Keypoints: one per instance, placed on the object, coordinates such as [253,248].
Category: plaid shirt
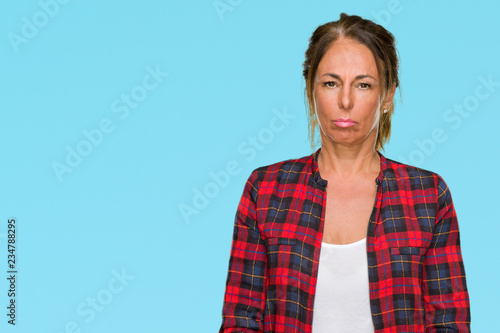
[415,269]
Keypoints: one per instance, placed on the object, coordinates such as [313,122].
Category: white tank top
[342,299]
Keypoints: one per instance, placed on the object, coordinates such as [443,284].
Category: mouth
[344,122]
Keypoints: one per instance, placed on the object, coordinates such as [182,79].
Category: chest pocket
[286,265]
[408,251]
[407,261]
[280,252]
[280,241]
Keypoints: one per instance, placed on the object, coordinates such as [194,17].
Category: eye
[365,85]
[330,84]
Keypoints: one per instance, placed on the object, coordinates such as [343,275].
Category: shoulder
[415,177]
[288,171]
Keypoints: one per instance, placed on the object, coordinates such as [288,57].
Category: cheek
[369,99]
[322,113]
[370,106]
[324,104]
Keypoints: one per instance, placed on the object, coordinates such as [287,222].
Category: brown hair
[382,45]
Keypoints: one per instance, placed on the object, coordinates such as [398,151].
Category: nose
[346,98]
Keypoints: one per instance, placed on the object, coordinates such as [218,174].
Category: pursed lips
[344,122]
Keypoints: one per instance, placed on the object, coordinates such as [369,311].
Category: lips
[344,122]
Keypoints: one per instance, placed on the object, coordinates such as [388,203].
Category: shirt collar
[323,182]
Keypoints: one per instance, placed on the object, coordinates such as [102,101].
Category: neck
[348,162]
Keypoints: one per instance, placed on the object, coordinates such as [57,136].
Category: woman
[346,240]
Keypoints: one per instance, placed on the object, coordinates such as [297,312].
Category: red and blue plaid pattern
[415,268]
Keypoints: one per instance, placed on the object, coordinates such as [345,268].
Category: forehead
[346,56]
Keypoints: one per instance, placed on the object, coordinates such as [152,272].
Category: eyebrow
[335,76]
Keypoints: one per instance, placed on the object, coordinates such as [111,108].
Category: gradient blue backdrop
[224,71]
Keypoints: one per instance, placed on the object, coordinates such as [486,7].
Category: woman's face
[347,94]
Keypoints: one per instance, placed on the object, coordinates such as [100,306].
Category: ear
[389,97]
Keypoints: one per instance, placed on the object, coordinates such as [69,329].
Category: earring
[385,110]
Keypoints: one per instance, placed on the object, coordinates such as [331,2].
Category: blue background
[119,209]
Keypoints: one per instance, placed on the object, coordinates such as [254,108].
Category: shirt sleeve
[244,298]
[446,298]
